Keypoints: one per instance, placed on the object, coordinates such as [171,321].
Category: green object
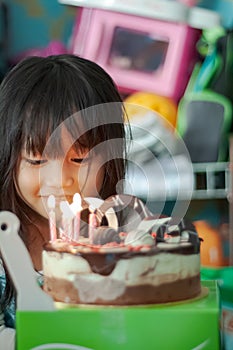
[184,326]
[199,112]
[224,278]
[207,102]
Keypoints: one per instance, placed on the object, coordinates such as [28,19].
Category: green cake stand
[175,326]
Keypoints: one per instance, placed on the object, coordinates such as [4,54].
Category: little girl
[61,132]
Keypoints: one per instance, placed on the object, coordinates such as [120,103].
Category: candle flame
[77,201]
[65,208]
[76,206]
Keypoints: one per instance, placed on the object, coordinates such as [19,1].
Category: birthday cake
[149,260]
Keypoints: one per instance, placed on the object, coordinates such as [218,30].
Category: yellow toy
[164,106]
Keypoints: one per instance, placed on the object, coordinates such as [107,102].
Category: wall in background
[33,24]
[223,7]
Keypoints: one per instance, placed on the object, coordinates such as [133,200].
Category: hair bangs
[46,112]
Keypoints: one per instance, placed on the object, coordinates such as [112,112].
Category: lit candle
[77,208]
[52,218]
[92,223]
[67,220]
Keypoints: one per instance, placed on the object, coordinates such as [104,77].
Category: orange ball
[164,106]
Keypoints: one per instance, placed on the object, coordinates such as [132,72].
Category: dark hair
[39,94]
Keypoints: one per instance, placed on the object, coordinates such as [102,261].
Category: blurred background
[34,24]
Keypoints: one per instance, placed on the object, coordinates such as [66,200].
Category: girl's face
[77,172]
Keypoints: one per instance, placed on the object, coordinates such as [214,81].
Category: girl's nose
[56,174]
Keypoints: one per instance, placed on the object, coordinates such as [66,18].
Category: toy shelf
[211,180]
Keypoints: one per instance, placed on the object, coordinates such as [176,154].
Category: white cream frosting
[139,270]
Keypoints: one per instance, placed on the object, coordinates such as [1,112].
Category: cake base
[64,291]
[203,294]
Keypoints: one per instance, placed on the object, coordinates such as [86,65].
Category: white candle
[52,218]
[92,224]
[77,208]
[67,220]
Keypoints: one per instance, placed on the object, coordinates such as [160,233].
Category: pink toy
[140,53]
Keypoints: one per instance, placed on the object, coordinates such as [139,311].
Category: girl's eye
[36,161]
[78,160]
